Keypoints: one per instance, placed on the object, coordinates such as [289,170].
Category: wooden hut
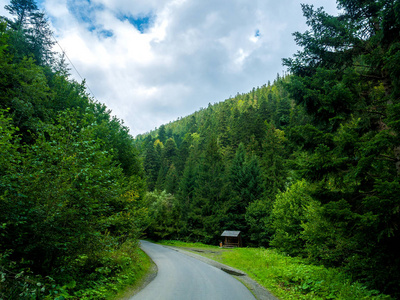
[232,238]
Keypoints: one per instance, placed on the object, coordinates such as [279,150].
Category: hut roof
[229,233]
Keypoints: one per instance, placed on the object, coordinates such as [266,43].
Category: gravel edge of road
[255,288]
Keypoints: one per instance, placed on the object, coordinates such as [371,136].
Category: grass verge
[120,274]
[286,277]
[133,278]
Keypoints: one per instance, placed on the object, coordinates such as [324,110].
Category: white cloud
[191,54]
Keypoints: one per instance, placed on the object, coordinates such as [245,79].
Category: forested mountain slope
[218,160]
[309,164]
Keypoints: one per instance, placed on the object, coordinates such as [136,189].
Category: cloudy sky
[153,61]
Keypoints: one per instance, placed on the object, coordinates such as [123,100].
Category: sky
[154,61]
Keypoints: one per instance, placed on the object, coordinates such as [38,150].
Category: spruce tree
[346,78]
[31,35]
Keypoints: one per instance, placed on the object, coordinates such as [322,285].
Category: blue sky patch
[106,33]
[257,34]
[140,22]
[84,12]
[39,4]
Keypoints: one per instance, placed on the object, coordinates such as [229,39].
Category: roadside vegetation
[284,276]
[118,278]
[130,279]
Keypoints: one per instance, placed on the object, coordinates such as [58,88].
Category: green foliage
[65,197]
[327,240]
[342,79]
[163,212]
[259,224]
[274,169]
[71,180]
[31,34]
[246,187]
[220,160]
[151,165]
[209,196]
[288,214]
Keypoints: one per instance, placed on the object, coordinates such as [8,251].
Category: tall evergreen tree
[246,185]
[23,11]
[346,79]
[162,134]
[31,35]
[274,170]
[187,186]
[151,164]
[209,195]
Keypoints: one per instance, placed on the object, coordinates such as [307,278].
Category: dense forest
[309,164]
[71,180]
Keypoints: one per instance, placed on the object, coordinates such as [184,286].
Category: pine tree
[151,164]
[23,11]
[162,135]
[206,208]
[31,35]
[346,78]
[246,184]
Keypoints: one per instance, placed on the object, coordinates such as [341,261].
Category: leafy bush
[288,214]
[68,206]
[163,215]
[259,222]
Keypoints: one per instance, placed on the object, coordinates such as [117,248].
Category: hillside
[217,160]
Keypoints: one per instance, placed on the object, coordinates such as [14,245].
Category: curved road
[181,277]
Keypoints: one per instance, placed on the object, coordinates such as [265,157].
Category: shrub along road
[181,277]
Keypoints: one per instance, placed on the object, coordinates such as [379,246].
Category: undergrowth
[105,275]
[132,264]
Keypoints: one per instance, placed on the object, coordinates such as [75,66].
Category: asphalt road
[181,277]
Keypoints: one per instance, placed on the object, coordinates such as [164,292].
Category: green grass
[186,244]
[286,277]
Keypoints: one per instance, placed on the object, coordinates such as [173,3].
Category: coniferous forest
[308,164]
